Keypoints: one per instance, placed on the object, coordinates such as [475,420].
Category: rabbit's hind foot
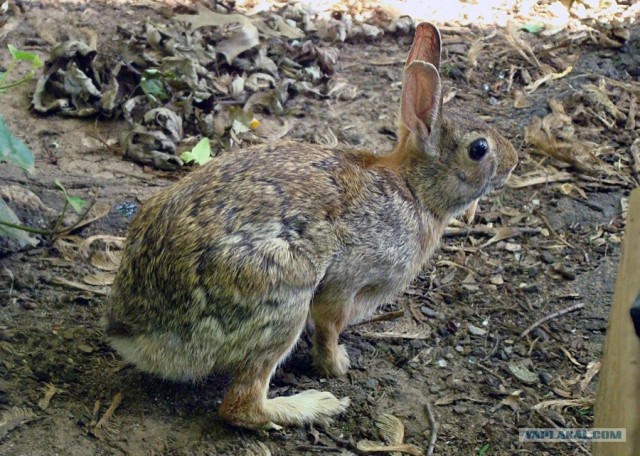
[307,407]
[246,405]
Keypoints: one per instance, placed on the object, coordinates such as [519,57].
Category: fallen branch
[550,317]
[487,231]
[434,429]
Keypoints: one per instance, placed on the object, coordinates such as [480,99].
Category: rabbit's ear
[420,99]
[427,45]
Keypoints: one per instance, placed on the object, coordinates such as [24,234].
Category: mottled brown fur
[222,270]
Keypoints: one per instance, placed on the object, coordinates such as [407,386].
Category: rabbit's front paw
[332,362]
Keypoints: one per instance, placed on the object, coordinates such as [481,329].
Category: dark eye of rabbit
[478,149]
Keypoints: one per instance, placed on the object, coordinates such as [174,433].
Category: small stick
[341,442]
[319,448]
[552,231]
[550,421]
[384,317]
[95,414]
[551,316]
[434,429]
[483,229]
[490,372]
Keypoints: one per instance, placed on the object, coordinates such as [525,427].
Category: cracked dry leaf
[244,38]
[99,279]
[257,449]
[151,148]
[288,30]
[392,432]
[546,78]
[599,97]
[48,395]
[106,260]
[578,154]
[13,418]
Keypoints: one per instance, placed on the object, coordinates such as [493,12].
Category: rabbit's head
[455,158]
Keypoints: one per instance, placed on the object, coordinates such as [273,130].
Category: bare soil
[50,333]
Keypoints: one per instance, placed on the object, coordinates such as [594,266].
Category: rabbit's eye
[478,149]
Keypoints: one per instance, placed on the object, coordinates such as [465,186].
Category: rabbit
[222,270]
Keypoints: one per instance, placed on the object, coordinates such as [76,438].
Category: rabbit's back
[244,222]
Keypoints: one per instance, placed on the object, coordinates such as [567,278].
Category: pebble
[435,388]
[545,378]
[371,384]
[459,348]
[428,311]
[522,373]
[476,331]
[566,273]
[461,409]
[533,288]
[442,363]
[547,257]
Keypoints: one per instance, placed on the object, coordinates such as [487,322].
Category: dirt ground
[453,340]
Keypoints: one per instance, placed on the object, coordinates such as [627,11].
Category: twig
[551,230]
[550,421]
[54,232]
[485,230]
[384,317]
[434,429]
[490,372]
[319,448]
[341,442]
[551,316]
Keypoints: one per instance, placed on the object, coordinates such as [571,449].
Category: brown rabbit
[222,270]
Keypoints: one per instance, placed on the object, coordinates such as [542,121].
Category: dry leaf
[13,418]
[548,77]
[520,101]
[245,38]
[48,395]
[106,260]
[99,279]
[598,96]
[287,30]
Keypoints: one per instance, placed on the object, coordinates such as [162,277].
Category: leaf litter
[207,74]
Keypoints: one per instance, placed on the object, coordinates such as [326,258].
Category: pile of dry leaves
[204,74]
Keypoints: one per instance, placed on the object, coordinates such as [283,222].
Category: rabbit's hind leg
[246,403]
[329,319]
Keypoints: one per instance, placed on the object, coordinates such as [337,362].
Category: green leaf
[533,28]
[8,216]
[14,151]
[26,56]
[484,449]
[201,153]
[75,202]
[153,86]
